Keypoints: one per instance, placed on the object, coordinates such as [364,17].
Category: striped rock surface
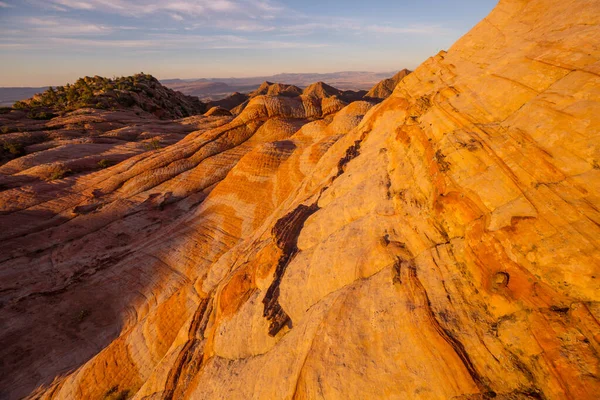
[442,244]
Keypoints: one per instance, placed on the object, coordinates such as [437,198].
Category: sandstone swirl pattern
[442,244]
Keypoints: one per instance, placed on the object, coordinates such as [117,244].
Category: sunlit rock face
[386,87]
[441,244]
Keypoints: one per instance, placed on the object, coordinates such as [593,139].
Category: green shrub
[40,115]
[92,92]
[153,144]
[20,105]
[15,149]
[104,163]
[58,173]
[114,394]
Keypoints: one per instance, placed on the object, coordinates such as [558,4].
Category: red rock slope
[445,245]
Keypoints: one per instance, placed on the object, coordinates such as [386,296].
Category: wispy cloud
[158,42]
[411,29]
[188,24]
[5,5]
[79,5]
[62,26]
[186,8]
[234,24]
[248,16]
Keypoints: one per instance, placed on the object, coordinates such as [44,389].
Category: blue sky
[51,42]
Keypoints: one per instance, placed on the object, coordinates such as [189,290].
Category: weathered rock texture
[318,91]
[442,244]
[386,87]
[85,140]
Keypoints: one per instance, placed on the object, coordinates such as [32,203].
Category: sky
[52,42]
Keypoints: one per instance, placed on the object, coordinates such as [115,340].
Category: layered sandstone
[386,87]
[442,244]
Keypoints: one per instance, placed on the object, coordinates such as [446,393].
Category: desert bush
[20,105]
[114,394]
[104,163]
[14,149]
[153,144]
[58,173]
[93,91]
[40,115]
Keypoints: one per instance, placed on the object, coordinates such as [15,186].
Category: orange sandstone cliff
[443,244]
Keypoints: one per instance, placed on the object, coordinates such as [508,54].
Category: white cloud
[163,42]
[5,5]
[232,24]
[63,26]
[199,23]
[250,16]
[189,8]
[80,5]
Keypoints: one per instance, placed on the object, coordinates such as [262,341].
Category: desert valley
[436,236]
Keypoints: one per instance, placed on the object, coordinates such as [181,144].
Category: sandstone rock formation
[217,111]
[276,89]
[219,88]
[85,140]
[322,90]
[386,87]
[443,244]
[237,102]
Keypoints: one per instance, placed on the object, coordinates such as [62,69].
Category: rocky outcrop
[327,96]
[141,92]
[276,89]
[217,111]
[386,87]
[85,140]
[322,90]
[230,102]
[439,245]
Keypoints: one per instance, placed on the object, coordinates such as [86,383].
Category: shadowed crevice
[285,233]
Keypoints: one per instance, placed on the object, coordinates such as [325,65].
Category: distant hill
[208,89]
[10,95]
[237,102]
[219,88]
[141,91]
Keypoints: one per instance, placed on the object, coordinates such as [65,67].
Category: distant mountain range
[10,95]
[219,88]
